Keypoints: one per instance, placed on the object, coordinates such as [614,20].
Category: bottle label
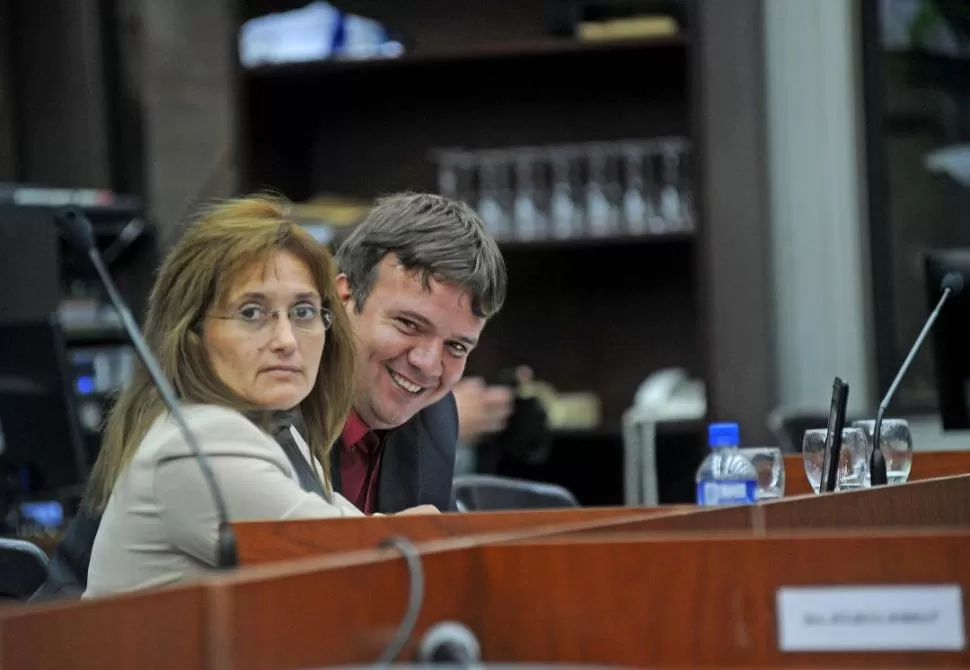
[726,492]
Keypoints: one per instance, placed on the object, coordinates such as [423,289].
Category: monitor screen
[38,416]
[951,337]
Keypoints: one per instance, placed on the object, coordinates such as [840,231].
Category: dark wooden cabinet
[598,314]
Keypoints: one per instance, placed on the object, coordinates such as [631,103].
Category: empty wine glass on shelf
[493,194]
[456,173]
[600,212]
[466,168]
[685,185]
[851,452]
[447,160]
[528,217]
[565,213]
[671,202]
[653,193]
[599,189]
[634,201]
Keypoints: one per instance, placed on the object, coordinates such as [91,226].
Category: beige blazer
[160,524]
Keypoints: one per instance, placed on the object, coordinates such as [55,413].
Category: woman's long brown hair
[197,276]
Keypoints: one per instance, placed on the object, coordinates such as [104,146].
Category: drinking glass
[447,172]
[770,465]
[529,220]
[493,193]
[853,464]
[600,211]
[565,212]
[634,203]
[896,442]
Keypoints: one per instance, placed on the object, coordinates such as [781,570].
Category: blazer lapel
[287,438]
[399,486]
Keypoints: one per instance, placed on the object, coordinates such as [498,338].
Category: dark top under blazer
[417,468]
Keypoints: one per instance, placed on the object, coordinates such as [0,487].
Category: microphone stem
[877,463]
[226,555]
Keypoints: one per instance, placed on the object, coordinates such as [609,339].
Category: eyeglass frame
[325,314]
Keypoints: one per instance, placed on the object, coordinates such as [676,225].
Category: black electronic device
[42,453]
[833,436]
[47,274]
[951,355]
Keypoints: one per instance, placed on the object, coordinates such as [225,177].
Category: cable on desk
[415,598]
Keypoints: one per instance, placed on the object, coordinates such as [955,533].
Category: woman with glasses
[242,319]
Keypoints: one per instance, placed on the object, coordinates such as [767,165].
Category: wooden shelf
[334,235]
[497,52]
[588,242]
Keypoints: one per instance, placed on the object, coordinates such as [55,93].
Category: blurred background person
[497,420]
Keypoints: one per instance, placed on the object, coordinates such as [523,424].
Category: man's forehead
[415,285]
[443,305]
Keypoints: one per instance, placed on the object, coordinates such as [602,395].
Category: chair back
[491,492]
[23,569]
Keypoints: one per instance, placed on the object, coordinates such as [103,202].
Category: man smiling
[419,279]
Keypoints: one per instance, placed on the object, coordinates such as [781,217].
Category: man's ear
[343,289]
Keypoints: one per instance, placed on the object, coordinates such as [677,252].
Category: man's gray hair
[441,238]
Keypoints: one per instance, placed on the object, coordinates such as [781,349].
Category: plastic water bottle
[726,477]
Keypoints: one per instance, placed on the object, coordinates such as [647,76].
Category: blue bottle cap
[723,434]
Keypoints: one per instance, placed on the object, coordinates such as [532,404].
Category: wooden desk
[926,465]
[110,633]
[624,599]
[680,588]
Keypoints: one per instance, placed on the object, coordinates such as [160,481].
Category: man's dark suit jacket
[417,468]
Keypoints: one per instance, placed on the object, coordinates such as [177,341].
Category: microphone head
[952,281]
[75,228]
[452,638]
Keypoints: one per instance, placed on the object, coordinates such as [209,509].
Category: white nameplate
[871,618]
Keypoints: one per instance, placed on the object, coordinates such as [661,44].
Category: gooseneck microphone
[449,642]
[951,285]
[76,229]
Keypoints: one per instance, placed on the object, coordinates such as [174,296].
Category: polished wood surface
[696,602]
[162,629]
[685,587]
[667,601]
[262,542]
[934,503]
[942,502]
[656,599]
[926,465]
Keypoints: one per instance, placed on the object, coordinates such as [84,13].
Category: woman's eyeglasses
[306,318]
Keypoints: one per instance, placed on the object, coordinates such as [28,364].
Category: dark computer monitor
[40,433]
[951,337]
